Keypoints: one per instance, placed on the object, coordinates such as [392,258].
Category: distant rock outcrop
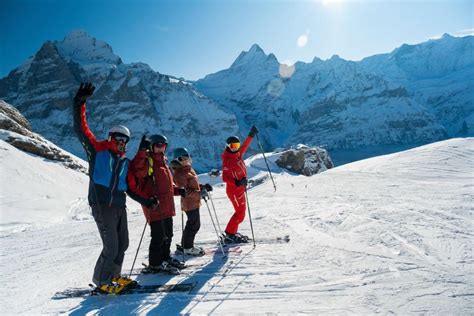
[15,130]
[305,160]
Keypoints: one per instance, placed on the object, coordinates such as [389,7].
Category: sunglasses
[234,146]
[123,139]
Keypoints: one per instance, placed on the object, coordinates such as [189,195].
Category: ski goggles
[234,146]
[121,138]
[184,158]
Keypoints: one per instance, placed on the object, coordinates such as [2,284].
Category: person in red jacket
[155,179]
[109,180]
[234,174]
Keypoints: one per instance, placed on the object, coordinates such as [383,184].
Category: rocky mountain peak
[255,55]
[82,48]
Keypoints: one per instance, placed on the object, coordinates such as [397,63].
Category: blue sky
[193,38]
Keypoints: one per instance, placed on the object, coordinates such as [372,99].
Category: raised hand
[85,91]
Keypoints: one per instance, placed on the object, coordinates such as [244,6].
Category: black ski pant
[160,244]
[193,224]
[112,224]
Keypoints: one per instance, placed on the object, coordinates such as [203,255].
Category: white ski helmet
[119,129]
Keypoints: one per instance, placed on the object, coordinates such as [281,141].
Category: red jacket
[233,166]
[155,180]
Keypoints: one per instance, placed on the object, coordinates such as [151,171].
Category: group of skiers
[148,179]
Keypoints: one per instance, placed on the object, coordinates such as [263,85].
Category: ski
[140,289]
[273,240]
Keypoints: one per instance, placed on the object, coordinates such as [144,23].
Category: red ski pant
[237,197]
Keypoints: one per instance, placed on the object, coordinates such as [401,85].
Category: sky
[191,39]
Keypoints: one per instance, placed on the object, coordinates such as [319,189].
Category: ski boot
[112,288]
[236,238]
[194,251]
[175,263]
[128,283]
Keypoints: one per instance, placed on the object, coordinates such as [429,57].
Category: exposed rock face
[305,160]
[15,130]
[127,94]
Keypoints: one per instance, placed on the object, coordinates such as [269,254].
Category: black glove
[85,91]
[152,202]
[144,143]
[253,131]
[208,187]
[242,182]
[204,194]
[182,192]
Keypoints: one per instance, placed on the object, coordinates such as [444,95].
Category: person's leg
[156,254]
[192,227]
[106,219]
[238,201]
[122,240]
[168,223]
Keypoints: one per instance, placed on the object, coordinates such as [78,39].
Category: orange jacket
[186,177]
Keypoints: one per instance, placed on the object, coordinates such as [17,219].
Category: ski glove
[85,91]
[152,202]
[253,131]
[144,143]
[204,194]
[242,182]
[208,187]
[182,192]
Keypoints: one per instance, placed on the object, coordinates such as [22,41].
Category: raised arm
[248,140]
[86,137]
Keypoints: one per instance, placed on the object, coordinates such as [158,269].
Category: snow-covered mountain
[343,104]
[438,74]
[416,94]
[390,235]
[130,94]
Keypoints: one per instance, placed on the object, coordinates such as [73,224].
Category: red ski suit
[233,168]
[155,180]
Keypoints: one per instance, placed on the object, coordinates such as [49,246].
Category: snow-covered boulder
[305,160]
[15,130]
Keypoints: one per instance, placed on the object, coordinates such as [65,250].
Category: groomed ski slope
[391,234]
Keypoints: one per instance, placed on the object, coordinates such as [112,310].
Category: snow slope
[391,234]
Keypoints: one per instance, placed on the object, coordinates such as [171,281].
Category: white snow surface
[391,234]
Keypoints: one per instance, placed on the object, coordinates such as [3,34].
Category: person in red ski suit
[155,179]
[234,174]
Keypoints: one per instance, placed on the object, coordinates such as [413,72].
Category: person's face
[234,147]
[185,160]
[121,142]
[159,148]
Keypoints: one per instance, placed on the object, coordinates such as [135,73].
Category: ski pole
[215,214]
[265,158]
[182,231]
[215,229]
[250,216]
[136,254]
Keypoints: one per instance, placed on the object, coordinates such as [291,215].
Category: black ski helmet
[232,139]
[158,139]
[180,152]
